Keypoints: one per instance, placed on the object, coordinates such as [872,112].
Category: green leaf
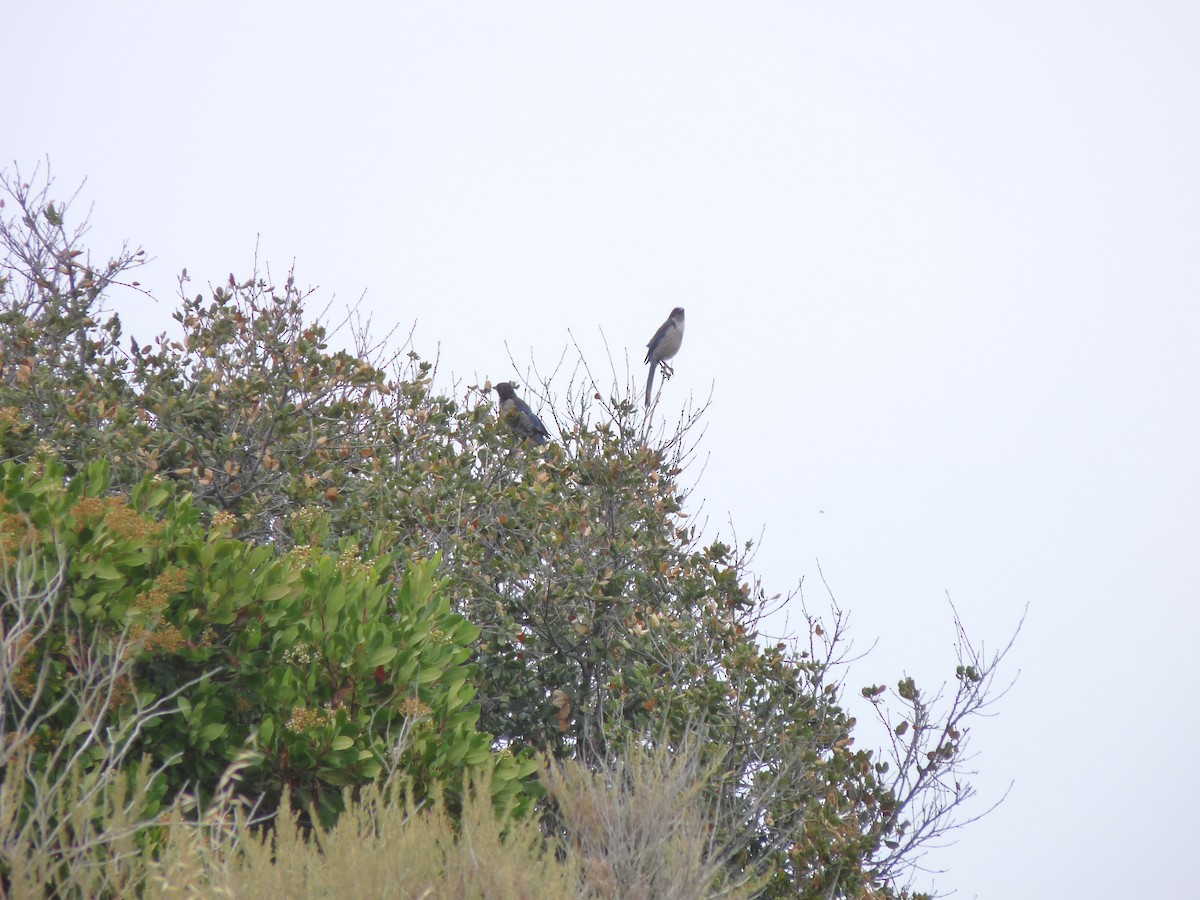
[381,657]
[277,592]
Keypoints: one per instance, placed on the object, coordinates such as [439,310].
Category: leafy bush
[330,671]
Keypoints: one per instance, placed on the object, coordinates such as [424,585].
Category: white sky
[940,266]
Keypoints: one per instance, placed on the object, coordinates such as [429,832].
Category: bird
[663,346]
[520,417]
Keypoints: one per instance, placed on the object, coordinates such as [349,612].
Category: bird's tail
[650,379]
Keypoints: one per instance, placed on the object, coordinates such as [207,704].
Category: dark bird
[520,417]
[663,346]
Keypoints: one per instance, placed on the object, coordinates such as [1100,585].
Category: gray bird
[663,346]
[521,419]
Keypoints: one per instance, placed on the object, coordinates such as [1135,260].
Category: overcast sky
[940,265]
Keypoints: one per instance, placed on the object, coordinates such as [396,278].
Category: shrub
[136,631]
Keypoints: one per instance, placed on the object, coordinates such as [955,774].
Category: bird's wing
[528,420]
[658,337]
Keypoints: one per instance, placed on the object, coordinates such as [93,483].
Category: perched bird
[663,346]
[520,417]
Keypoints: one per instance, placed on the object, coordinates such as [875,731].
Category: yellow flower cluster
[120,519]
[350,563]
[154,636]
[172,581]
[303,718]
[10,417]
[17,535]
[24,678]
[223,520]
[413,708]
[165,638]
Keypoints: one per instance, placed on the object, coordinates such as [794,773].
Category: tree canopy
[305,557]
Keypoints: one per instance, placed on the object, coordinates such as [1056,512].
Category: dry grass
[84,841]
[641,829]
[637,830]
[383,846]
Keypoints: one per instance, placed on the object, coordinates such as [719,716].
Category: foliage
[63,381]
[594,611]
[329,671]
[72,807]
